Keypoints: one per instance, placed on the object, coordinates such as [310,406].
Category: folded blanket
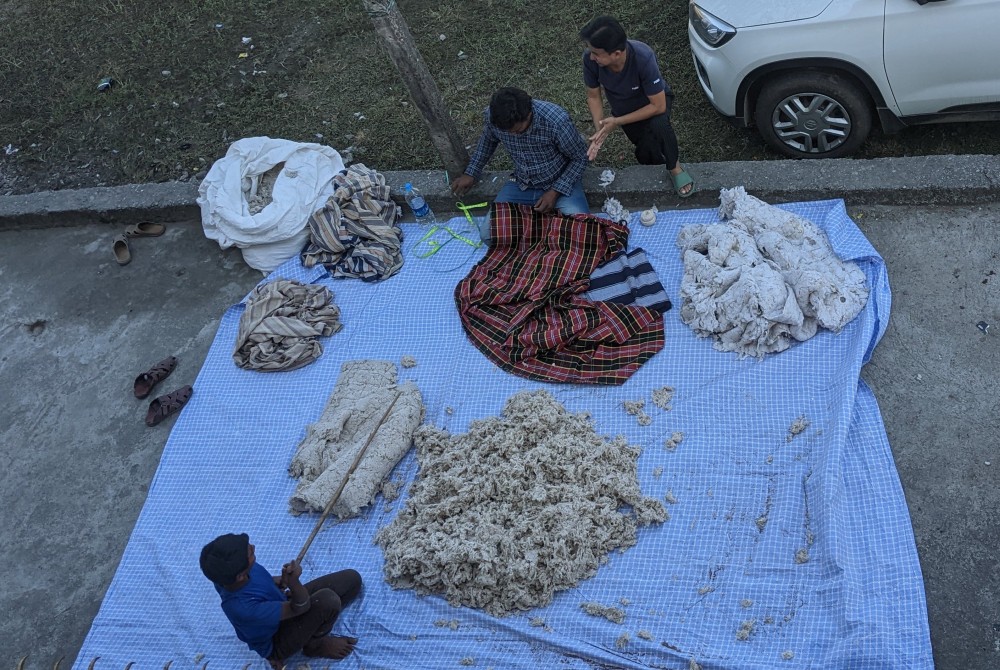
[629,279]
[524,308]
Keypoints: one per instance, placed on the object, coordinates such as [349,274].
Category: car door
[943,55]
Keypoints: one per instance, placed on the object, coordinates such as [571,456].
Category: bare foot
[330,647]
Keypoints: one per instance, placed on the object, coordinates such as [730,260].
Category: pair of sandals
[165,405]
[120,248]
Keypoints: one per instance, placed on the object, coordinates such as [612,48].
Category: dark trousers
[327,597]
[654,140]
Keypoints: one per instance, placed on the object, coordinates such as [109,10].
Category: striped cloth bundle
[629,279]
[281,323]
[355,234]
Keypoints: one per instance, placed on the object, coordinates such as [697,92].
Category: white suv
[812,74]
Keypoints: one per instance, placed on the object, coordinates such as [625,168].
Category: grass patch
[182,92]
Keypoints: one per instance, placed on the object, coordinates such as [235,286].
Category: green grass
[315,68]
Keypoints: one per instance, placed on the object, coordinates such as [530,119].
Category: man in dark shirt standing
[547,150]
[640,100]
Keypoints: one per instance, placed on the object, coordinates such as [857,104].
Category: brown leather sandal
[119,247]
[145,229]
[168,404]
[145,382]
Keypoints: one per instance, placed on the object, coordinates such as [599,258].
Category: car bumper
[734,120]
[720,86]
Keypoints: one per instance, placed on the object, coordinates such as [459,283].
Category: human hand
[593,148]
[291,571]
[461,185]
[604,128]
[547,202]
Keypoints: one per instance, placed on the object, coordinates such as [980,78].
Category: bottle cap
[407,186]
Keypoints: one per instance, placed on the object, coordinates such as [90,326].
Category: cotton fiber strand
[363,393]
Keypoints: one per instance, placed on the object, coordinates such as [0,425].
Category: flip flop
[119,247]
[168,404]
[682,179]
[145,229]
[145,382]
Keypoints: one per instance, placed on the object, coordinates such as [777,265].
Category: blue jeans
[574,203]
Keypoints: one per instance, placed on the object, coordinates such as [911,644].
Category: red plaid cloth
[523,304]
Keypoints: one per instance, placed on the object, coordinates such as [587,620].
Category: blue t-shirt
[254,610]
[629,89]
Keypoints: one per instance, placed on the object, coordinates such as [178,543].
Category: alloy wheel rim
[811,123]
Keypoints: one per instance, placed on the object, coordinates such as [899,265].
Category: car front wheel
[813,115]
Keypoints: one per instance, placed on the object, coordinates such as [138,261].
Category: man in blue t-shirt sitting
[278,616]
[639,98]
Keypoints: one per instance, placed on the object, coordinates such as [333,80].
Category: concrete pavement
[76,459]
[919,180]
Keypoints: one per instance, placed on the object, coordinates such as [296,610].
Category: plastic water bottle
[421,210]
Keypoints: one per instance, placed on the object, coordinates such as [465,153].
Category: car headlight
[712,30]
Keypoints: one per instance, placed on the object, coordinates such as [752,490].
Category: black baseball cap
[225,557]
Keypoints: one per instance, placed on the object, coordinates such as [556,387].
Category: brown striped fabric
[524,306]
[355,234]
[281,323]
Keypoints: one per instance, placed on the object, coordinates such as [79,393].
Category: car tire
[813,115]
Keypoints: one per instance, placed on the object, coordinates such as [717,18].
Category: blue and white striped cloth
[691,584]
[629,279]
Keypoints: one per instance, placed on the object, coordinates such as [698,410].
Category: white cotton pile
[764,278]
[519,507]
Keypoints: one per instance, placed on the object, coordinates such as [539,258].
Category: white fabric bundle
[277,232]
[764,278]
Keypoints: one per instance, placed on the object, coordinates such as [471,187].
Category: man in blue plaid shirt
[547,150]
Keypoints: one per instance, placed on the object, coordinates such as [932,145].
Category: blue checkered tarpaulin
[690,584]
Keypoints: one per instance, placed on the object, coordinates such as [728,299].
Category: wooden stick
[340,489]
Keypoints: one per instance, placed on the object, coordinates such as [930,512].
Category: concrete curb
[923,180]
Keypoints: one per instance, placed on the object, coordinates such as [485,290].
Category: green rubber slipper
[682,179]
